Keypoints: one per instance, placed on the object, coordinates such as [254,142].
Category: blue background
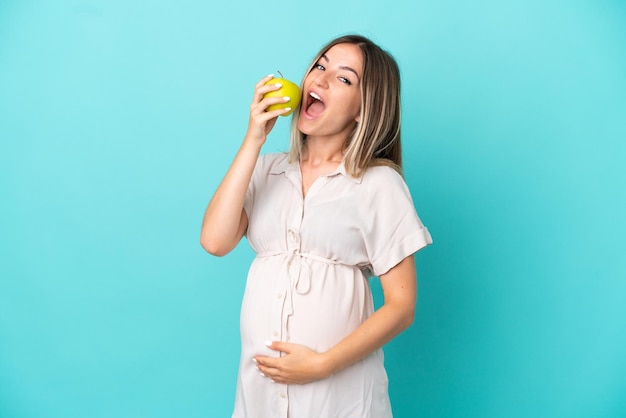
[119,118]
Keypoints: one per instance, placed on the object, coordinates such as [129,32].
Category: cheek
[356,105]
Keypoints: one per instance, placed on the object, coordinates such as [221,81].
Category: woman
[322,219]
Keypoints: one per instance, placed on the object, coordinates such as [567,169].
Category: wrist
[328,364]
[252,144]
[255,137]
[254,140]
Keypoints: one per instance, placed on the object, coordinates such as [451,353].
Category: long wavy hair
[376,137]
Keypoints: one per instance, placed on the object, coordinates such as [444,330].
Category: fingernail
[270,75]
[287,109]
[286,98]
[254,360]
[278,85]
[268,342]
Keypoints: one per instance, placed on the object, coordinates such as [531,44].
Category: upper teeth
[315,96]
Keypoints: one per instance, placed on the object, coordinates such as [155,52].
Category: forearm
[223,223]
[380,328]
[300,364]
[396,314]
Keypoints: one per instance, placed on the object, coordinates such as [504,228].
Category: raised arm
[225,220]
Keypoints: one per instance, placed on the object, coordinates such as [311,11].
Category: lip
[307,100]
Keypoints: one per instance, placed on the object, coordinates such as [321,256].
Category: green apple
[288,89]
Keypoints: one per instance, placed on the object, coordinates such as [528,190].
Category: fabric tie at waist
[296,262]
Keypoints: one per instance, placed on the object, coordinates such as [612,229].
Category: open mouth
[314,105]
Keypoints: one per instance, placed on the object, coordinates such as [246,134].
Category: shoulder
[272,158]
[385,185]
[382,175]
[271,162]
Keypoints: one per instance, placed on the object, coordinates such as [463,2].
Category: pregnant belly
[334,301]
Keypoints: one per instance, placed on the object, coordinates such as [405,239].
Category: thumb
[270,124]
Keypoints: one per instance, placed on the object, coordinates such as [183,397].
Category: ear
[357,118]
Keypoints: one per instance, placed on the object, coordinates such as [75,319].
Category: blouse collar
[284,166]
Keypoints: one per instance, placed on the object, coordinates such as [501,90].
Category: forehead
[346,55]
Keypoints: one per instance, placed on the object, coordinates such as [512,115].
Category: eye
[320,67]
[345,81]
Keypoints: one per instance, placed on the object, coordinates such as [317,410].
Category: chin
[304,125]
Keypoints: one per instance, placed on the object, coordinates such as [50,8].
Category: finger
[264,80]
[281,346]
[260,367]
[268,101]
[266,362]
[270,378]
[270,124]
[267,370]
[267,118]
[270,372]
[270,344]
[261,106]
[263,87]
[263,90]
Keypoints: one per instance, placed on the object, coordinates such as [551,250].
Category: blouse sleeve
[248,202]
[394,230]
[258,181]
[257,174]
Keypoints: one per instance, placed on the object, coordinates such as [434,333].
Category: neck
[319,151]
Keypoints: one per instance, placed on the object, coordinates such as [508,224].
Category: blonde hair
[376,137]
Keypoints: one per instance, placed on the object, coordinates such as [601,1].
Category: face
[331,99]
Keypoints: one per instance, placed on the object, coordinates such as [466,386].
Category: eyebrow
[343,67]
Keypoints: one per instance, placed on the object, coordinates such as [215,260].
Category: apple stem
[281,74]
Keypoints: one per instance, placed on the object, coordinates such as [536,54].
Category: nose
[321,80]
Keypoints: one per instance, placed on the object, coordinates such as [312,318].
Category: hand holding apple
[288,89]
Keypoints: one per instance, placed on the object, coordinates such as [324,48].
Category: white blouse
[309,281]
